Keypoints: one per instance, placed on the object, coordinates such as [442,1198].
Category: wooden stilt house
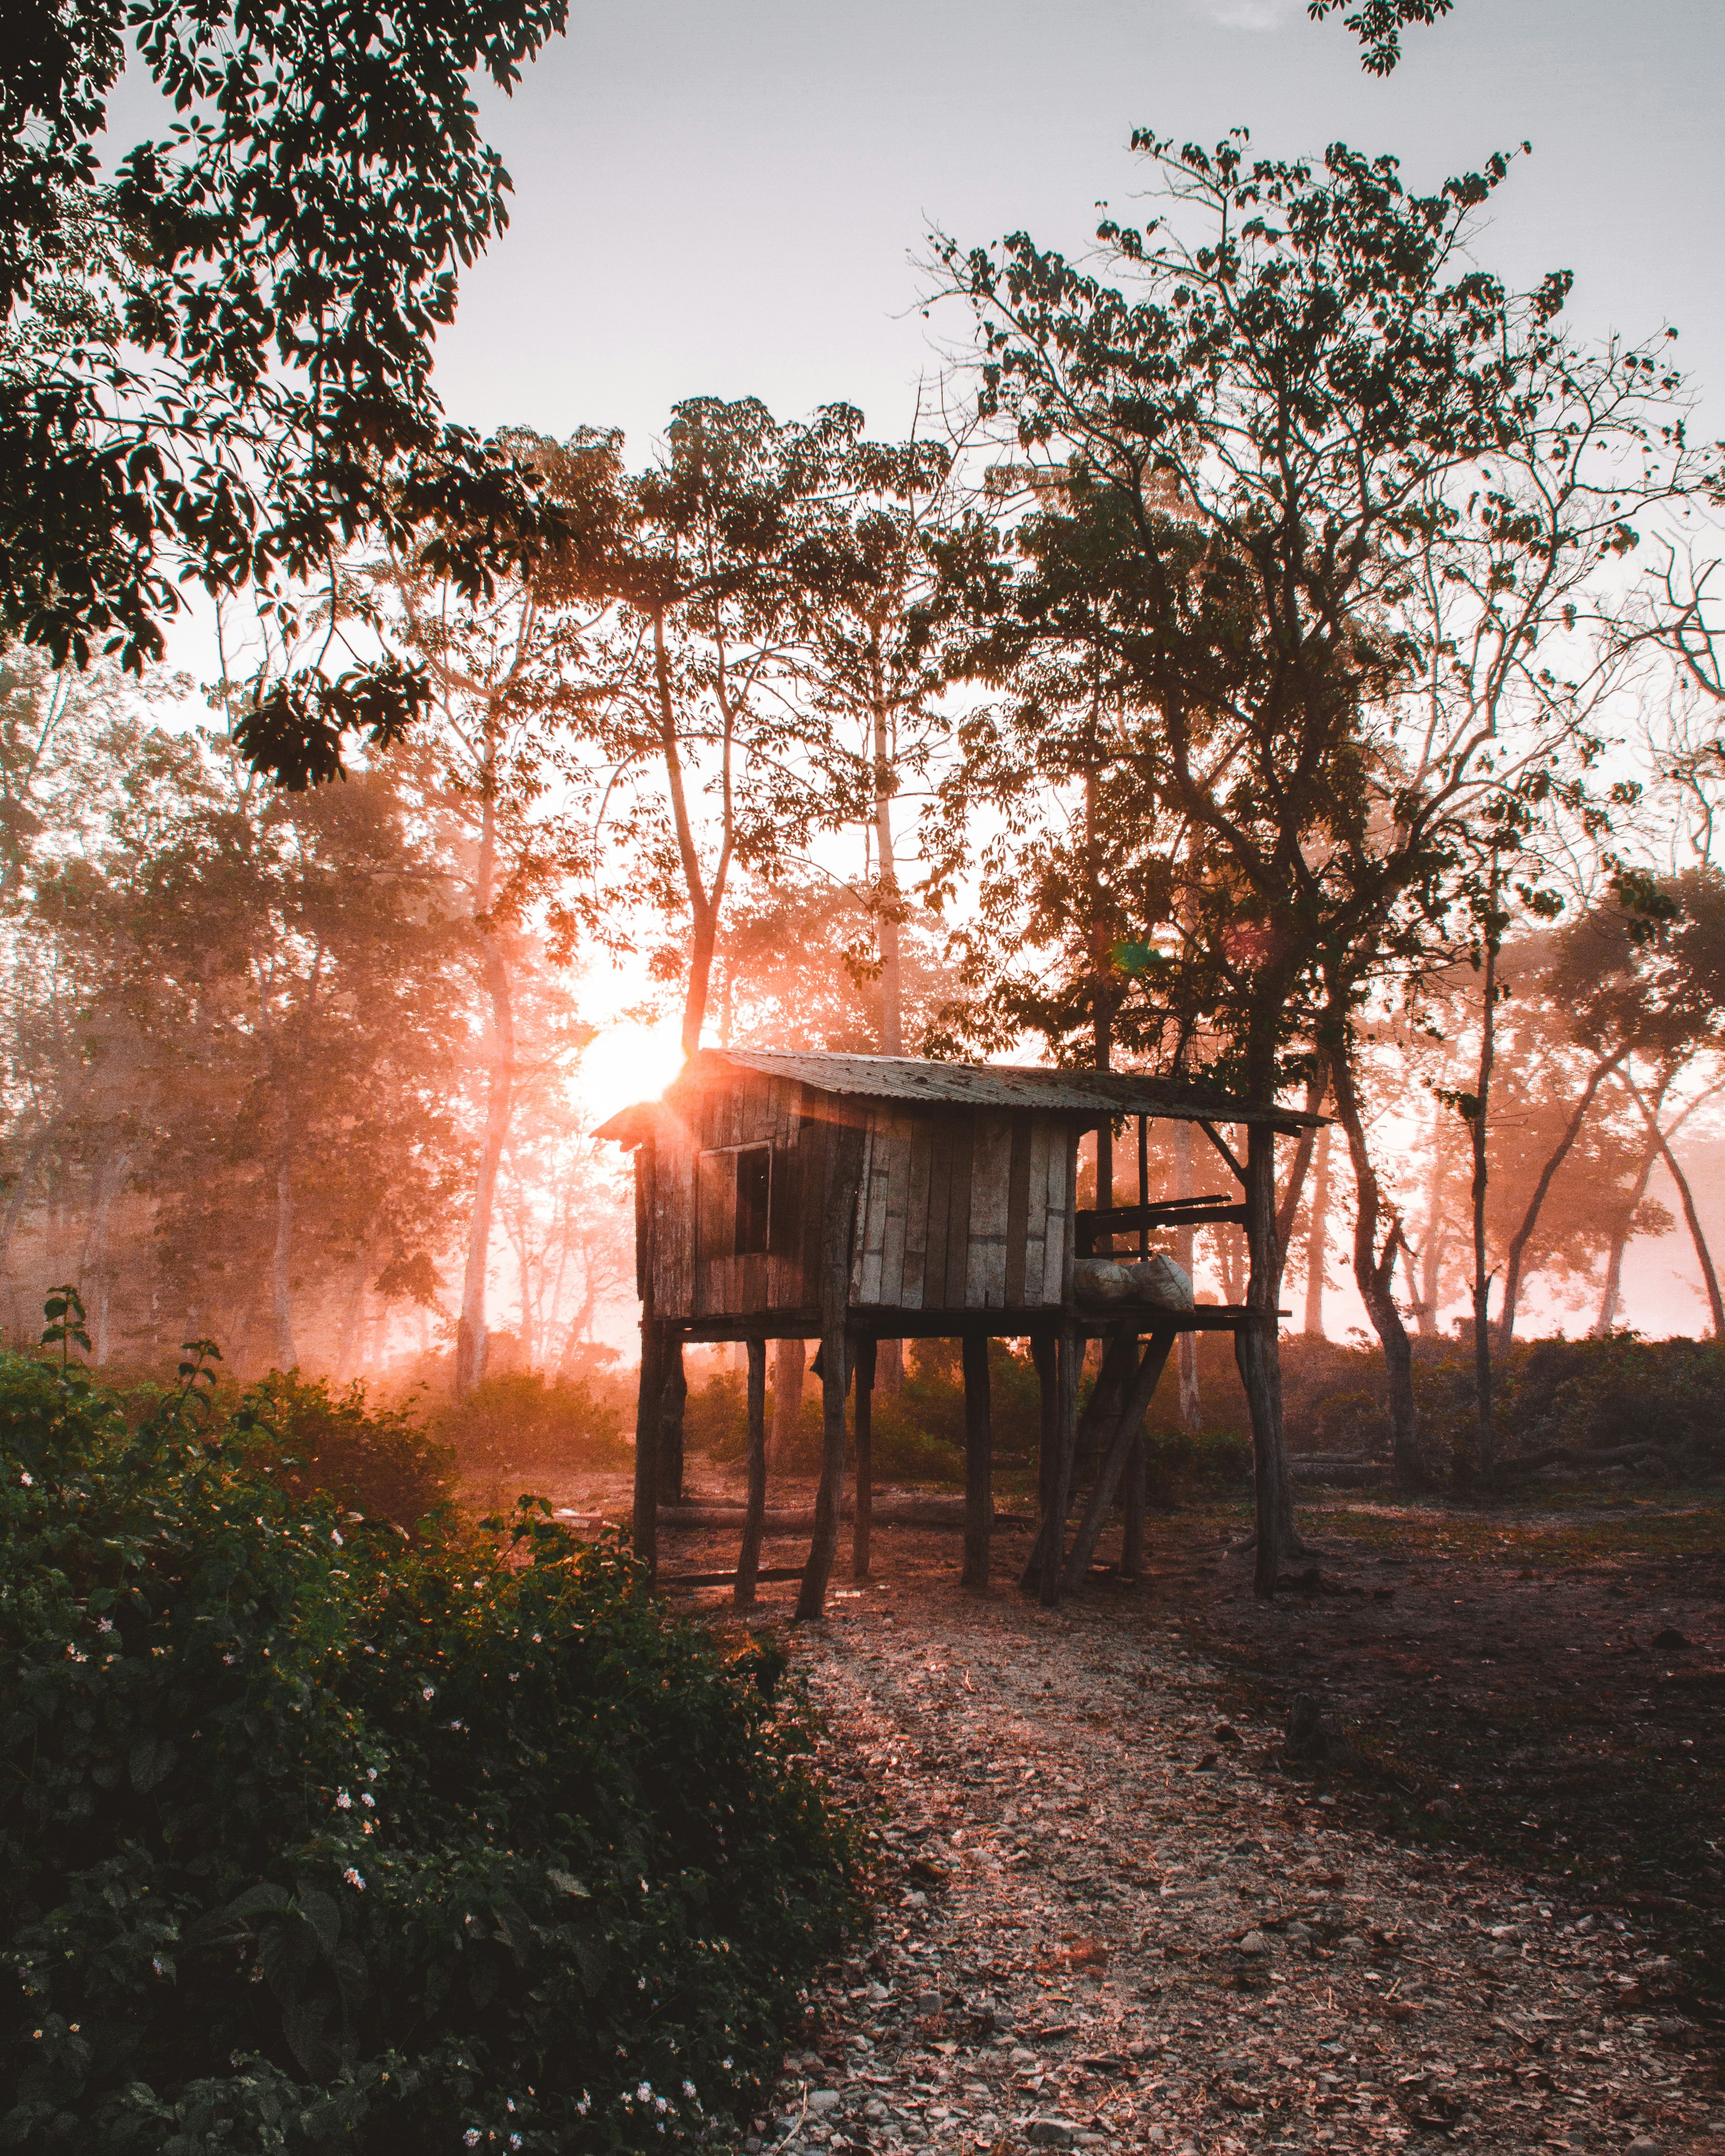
[854,1198]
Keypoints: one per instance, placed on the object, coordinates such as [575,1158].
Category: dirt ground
[1112,1915]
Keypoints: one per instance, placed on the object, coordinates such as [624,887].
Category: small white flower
[726,2064]
[536,1640]
[228,1659]
[515,2141]
[585,2104]
[156,1963]
[471,2136]
[336,1536]
[353,1879]
[344,1803]
[688,2088]
[660,2103]
[29,1483]
[369,1801]
[644,2094]
[104,1623]
[73,1655]
[426,1692]
[370,1774]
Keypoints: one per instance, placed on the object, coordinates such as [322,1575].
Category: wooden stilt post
[1042,1356]
[647,1412]
[978,1462]
[862,1517]
[1120,1361]
[1257,1355]
[838,1232]
[674,1398]
[1068,1359]
[1114,1458]
[749,1563]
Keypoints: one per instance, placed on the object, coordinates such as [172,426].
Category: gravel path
[1108,1919]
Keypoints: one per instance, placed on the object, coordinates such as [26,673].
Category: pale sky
[725,199]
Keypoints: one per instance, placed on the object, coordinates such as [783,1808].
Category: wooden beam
[978,1463]
[1119,1362]
[837,1234]
[1113,1463]
[749,1563]
[647,1410]
[1070,1359]
[863,1519]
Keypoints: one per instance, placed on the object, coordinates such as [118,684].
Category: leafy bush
[309,1834]
[377,1460]
[520,1424]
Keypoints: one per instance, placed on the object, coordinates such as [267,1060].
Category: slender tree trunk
[1191,1404]
[1703,1255]
[353,1314]
[1316,1228]
[1606,1321]
[1374,1274]
[892,1034]
[1431,1255]
[1102,996]
[280,1270]
[1477,1126]
[1530,1219]
[96,1266]
[470,1331]
[1256,1352]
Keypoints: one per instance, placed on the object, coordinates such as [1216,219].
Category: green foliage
[522,1423]
[282,264]
[308,1834]
[373,1460]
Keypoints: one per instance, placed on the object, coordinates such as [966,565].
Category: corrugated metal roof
[1085,1095]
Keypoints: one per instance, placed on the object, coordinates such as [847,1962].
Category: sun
[626,1062]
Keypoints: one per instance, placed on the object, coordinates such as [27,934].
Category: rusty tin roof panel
[1086,1096]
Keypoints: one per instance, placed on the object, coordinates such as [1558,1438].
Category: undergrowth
[314,1833]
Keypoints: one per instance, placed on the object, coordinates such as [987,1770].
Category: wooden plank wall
[962,1210]
[756,1110]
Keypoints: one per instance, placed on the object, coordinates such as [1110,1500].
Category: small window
[736,1191]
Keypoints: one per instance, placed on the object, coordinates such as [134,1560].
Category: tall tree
[246,383]
[1297,387]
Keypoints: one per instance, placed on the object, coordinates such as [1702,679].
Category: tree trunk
[1606,1321]
[470,1334]
[1315,1228]
[1477,1126]
[1374,1274]
[96,1266]
[892,1034]
[1431,1255]
[1530,1219]
[789,1368]
[1703,1255]
[1258,1361]
[889,1368]
[1191,1402]
[281,1269]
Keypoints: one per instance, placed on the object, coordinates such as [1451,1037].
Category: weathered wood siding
[962,1210]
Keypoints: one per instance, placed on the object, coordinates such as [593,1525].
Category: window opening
[736,1191]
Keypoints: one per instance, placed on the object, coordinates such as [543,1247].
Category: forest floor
[1110,1914]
